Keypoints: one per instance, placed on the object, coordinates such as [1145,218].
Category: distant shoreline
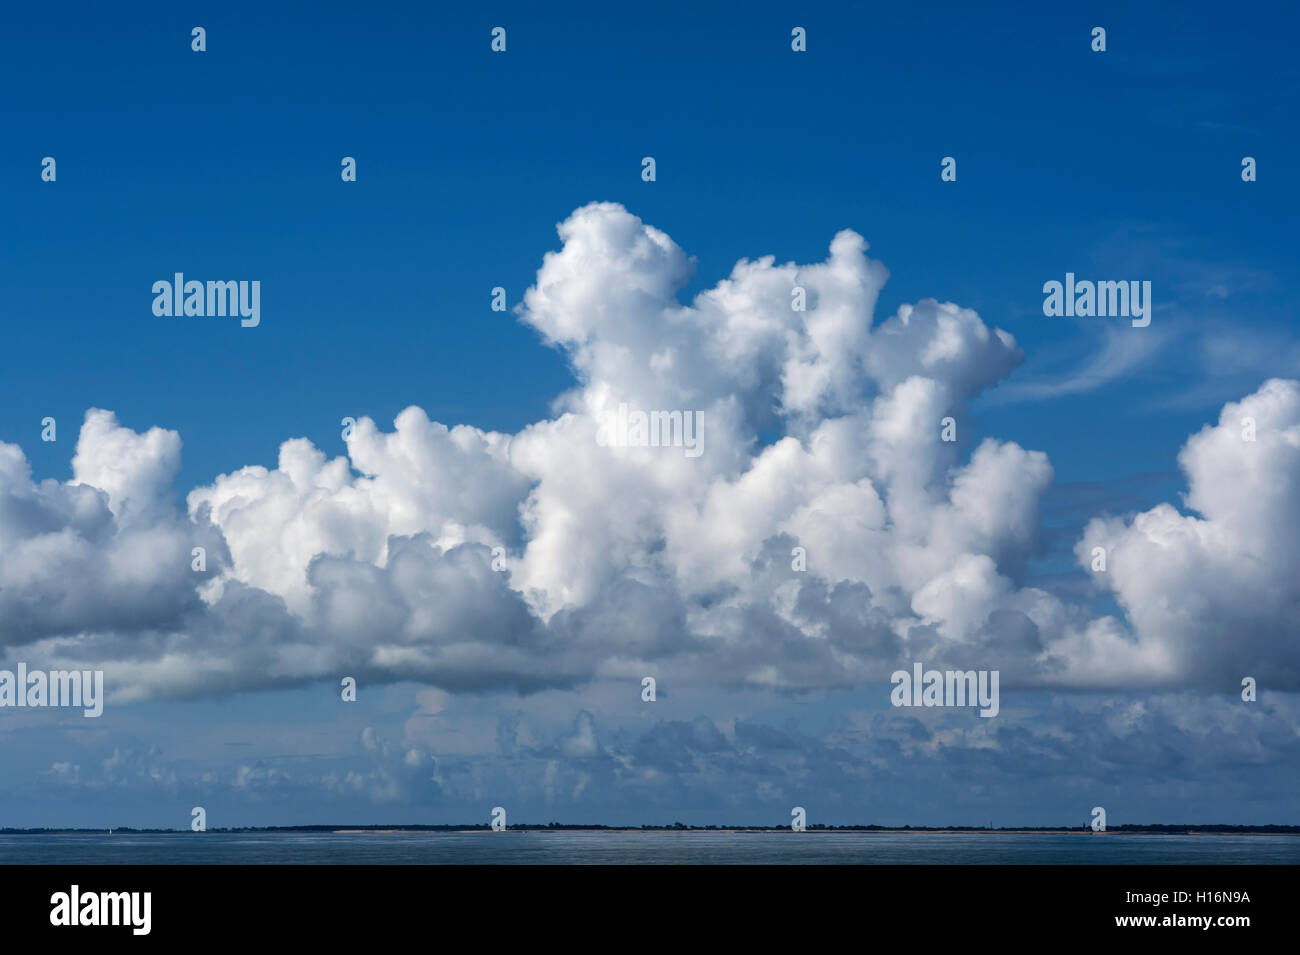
[1153,829]
[1288,831]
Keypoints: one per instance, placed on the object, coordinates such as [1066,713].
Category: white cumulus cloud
[820,430]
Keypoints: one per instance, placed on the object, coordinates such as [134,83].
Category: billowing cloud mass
[473,560]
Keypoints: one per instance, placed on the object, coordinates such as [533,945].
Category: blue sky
[375,296]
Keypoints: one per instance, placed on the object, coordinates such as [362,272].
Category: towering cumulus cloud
[824,534]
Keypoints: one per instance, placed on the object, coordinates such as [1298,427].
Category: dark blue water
[636,848]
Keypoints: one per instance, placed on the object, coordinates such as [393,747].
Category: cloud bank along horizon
[548,559]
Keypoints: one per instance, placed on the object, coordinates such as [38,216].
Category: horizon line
[1168,828]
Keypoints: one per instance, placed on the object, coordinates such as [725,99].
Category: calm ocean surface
[635,848]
